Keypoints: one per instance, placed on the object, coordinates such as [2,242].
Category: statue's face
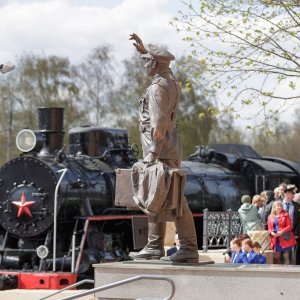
[150,66]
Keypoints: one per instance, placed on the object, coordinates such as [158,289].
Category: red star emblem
[23,206]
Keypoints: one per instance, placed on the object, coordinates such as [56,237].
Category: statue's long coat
[157,117]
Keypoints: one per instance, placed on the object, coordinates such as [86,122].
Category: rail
[123,282]
[220,227]
[267,245]
[69,287]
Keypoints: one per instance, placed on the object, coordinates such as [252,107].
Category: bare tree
[37,81]
[95,78]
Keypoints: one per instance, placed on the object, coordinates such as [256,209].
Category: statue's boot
[155,247]
[188,248]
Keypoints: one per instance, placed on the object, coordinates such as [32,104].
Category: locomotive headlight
[42,251]
[27,140]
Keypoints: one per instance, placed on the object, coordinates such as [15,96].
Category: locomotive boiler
[57,212]
[86,187]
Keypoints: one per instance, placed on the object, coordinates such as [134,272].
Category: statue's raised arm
[138,43]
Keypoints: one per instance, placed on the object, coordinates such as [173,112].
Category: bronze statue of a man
[160,141]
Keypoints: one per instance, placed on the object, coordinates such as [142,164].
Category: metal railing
[123,282]
[69,287]
[267,244]
[219,228]
[63,171]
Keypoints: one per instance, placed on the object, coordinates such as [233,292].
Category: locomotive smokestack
[50,122]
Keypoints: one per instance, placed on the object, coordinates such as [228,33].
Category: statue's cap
[159,54]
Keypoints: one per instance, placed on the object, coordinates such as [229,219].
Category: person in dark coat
[270,196]
[293,209]
[281,188]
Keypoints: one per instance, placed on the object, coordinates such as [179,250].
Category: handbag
[286,236]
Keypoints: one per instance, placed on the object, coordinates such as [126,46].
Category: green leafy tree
[250,50]
[195,124]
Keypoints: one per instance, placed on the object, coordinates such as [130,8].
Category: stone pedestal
[193,282]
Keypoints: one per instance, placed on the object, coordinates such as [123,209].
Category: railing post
[229,229]
[63,171]
[219,226]
[205,229]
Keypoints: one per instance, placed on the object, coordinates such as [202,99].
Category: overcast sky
[73,27]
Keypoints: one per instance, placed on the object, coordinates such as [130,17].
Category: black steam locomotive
[57,212]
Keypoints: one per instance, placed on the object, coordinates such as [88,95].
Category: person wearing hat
[249,215]
[160,141]
[293,209]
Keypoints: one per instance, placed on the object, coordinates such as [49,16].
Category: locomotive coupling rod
[63,171]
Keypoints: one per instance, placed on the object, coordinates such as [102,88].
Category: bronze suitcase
[124,193]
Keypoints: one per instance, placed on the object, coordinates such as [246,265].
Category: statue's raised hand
[138,43]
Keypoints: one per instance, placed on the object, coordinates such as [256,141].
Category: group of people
[245,251]
[278,212]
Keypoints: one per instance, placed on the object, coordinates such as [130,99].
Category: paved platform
[206,281]
[210,279]
[215,256]
[37,295]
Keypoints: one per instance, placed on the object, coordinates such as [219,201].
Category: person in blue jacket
[175,248]
[257,248]
[252,256]
[238,256]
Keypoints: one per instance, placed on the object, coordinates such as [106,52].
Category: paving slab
[20,294]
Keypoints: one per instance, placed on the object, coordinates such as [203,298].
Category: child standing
[251,255]
[257,248]
[238,256]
